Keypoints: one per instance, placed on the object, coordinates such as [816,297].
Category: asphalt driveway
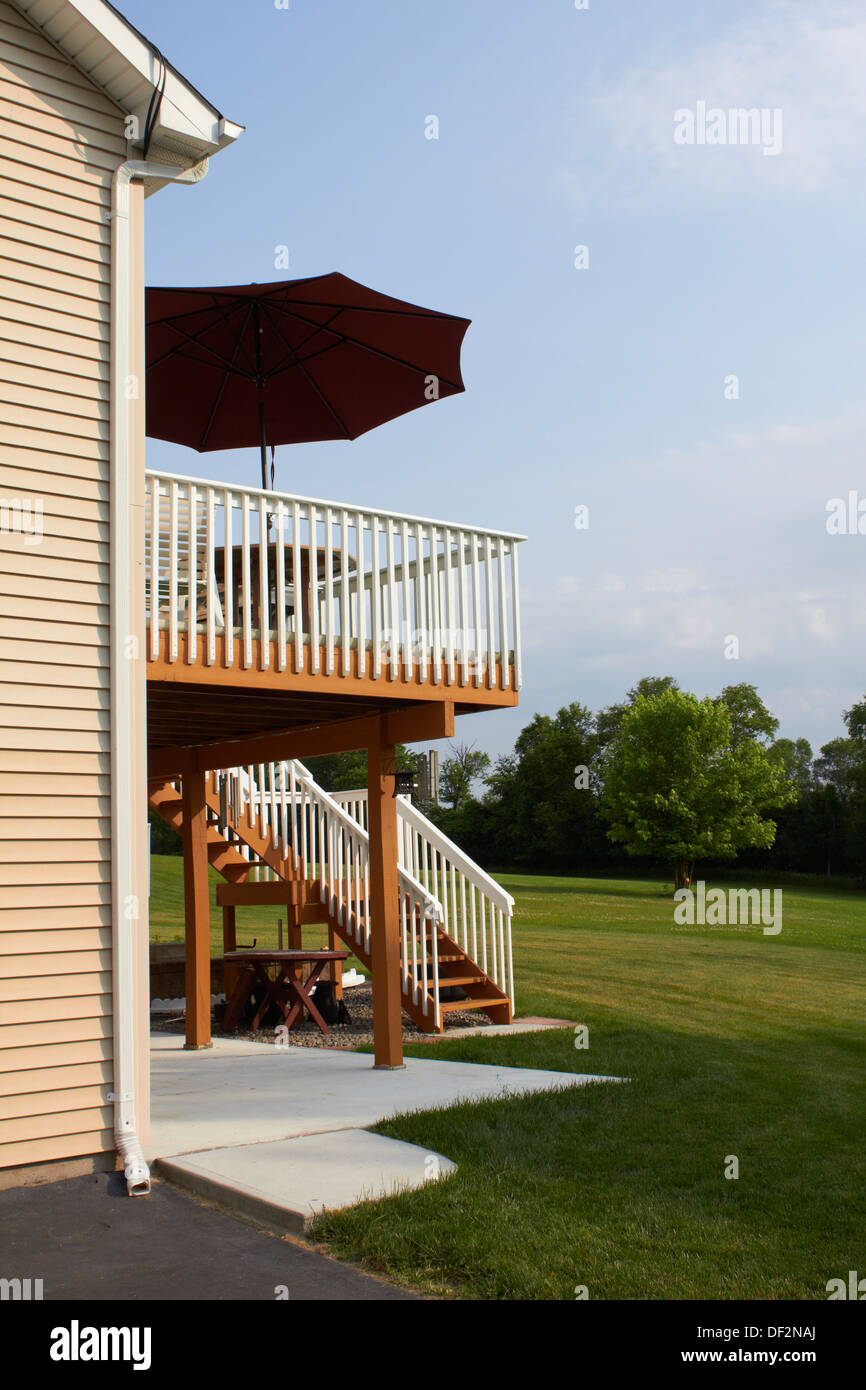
[86,1239]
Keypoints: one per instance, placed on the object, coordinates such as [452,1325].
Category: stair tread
[451,1006]
[446,981]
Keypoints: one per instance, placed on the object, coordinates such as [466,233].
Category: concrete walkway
[278,1134]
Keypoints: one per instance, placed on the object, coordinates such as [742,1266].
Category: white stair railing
[476,910]
[311,831]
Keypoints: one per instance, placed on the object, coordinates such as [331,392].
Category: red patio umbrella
[292,362]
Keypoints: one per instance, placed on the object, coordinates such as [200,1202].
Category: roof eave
[126,66]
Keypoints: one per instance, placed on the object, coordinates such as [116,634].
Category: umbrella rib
[359,343]
[275,313]
[230,368]
[316,327]
[314,384]
[173,322]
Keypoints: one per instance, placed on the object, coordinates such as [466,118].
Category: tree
[841,772]
[794,757]
[458,772]
[343,772]
[750,718]
[607,721]
[678,784]
[541,803]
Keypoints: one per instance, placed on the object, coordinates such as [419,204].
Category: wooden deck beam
[415,724]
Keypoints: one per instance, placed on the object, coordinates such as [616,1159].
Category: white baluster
[154,488]
[491,621]
[406,580]
[315,641]
[172,572]
[228,579]
[281,586]
[210,578]
[420,602]
[376,587]
[345,604]
[296,586]
[192,577]
[246,596]
[329,590]
[264,588]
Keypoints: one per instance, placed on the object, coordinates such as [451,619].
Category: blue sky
[602,386]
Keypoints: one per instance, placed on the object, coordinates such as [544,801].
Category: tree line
[662,779]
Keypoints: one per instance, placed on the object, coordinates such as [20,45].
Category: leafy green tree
[841,772]
[794,757]
[607,721]
[541,805]
[750,718]
[677,786]
[345,772]
[163,839]
[457,773]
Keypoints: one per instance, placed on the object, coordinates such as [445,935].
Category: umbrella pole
[263,439]
[263,444]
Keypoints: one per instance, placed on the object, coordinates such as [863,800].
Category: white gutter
[125,896]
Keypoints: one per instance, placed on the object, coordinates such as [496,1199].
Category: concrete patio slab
[284,1184]
[241,1092]
[498,1030]
[276,1134]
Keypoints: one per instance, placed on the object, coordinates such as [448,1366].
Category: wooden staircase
[433,961]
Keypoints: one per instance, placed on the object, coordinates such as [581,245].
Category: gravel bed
[358,1001]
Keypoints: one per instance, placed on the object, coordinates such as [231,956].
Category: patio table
[232,602]
[290,992]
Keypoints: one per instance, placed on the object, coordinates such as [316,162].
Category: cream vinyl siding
[60,140]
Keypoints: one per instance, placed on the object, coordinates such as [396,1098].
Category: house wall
[60,140]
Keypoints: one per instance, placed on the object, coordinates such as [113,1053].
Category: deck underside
[192,703]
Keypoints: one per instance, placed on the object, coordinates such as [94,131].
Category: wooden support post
[197,911]
[384,903]
[231,974]
[335,969]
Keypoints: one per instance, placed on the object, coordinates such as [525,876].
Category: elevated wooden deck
[268,612]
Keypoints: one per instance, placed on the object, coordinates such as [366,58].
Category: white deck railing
[476,910]
[308,828]
[331,588]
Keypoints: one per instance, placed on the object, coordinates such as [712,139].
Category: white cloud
[610,584]
[805,59]
[735,543]
[672,581]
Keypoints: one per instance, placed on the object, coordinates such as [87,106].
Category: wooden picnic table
[289,991]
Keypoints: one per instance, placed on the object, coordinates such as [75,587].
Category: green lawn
[736,1044]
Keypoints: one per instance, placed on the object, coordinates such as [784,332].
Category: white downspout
[125,896]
